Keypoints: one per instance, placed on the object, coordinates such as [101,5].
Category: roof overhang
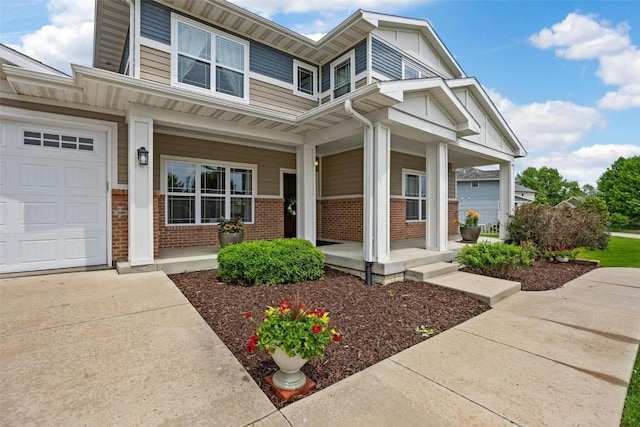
[110,33]
[13,57]
[471,84]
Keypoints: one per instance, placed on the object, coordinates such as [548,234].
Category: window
[415,192]
[410,71]
[475,184]
[55,140]
[201,193]
[210,61]
[343,75]
[304,79]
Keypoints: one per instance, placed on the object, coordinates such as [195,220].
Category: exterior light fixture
[143,156]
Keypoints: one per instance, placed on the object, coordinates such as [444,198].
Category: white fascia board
[491,154]
[478,90]
[23,75]
[26,62]
[420,125]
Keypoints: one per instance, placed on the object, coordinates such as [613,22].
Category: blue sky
[565,74]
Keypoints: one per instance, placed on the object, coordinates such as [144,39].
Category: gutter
[132,35]
[369,183]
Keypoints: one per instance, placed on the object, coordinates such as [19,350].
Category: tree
[589,190]
[620,187]
[550,186]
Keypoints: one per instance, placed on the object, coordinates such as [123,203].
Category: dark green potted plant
[469,230]
[230,231]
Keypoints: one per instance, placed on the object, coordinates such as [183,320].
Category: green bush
[494,259]
[551,228]
[619,221]
[270,262]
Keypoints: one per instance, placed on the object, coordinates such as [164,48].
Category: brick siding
[453,214]
[400,228]
[341,219]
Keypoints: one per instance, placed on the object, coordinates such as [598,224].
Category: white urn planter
[561,258]
[289,376]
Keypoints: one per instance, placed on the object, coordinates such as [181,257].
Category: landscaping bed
[376,322]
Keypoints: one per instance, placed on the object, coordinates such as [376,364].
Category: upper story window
[415,193]
[343,75]
[208,60]
[304,79]
[475,184]
[410,71]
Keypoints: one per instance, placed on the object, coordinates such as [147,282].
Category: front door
[289,192]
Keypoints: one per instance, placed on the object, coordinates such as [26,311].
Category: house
[480,190]
[572,202]
[196,110]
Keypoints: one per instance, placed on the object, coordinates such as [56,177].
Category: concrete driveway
[98,348]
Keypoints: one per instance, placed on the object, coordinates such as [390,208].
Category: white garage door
[53,211]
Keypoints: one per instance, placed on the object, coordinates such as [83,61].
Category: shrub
[551,228]
[492,259]
[619,221]
[271,262]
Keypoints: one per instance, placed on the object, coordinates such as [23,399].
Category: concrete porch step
[423,272]
[486,289]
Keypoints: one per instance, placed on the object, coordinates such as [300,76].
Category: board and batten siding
[277,98]
[155,65]
[268,162]
[342,174]
[123,130]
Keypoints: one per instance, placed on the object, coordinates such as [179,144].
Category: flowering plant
[295,329]
[470,221]
[231,225]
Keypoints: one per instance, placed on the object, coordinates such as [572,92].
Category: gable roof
[112,23]
[12,56]
[473,174]
[524,189]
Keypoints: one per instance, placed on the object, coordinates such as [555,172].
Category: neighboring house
[372,120]
[480,190]
[571,202]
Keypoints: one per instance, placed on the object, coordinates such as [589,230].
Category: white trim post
[140,192]
[437,200]
[507,196]
[306,192]
[381,191]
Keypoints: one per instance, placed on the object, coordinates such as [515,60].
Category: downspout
[132,35]
[369,183]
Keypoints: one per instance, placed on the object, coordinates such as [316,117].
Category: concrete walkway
[627,235]
[98,348]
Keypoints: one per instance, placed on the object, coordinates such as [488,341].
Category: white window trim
[351,55]
[314,70]
[163,186]
[422,73]
[406,172]
[213,33]
[477,184]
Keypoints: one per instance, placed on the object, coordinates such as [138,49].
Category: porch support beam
[437,204]
[306,192]
[140,192]
[507,196]
[381,191]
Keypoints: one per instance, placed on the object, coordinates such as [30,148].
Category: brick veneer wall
[340,219]
[453,214]
[400,228]
[269,224]
[119,225]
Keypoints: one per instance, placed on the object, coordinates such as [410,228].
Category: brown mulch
[545,275]
[376,322]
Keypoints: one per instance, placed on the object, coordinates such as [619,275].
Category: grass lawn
[631,414]
[622,252]
[489,234]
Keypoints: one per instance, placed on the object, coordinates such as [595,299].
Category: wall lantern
[143,156]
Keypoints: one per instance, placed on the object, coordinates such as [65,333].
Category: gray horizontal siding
[270,62]
[386,60]
[360,66]
[155,21]
[326,78]
[361,56]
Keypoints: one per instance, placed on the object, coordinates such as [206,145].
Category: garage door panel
[53,203]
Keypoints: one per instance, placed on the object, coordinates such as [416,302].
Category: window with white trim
[475,184]
[410,71]
[209,60]
[304,79]
[343,75]
[415,193]
[201,193]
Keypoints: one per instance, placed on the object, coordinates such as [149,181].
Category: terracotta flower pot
[469,234]
[288,376]
[228,238]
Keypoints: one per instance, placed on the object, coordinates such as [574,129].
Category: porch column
[381,191]
[306,192]
[437,200]
[507,196]
[140,192]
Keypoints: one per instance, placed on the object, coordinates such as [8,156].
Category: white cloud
[315,36]
[581,37]
[585,164]
[271,7]
[551,125]
[67,39]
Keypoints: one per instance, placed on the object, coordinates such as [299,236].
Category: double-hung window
[343,75]
[415,193]
[209,60]
[304,79]
[202,192]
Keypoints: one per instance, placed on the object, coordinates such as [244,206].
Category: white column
[437,201]
[306,192]
[140,192]
[507,196]
[381,191]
